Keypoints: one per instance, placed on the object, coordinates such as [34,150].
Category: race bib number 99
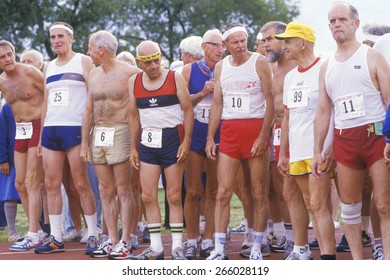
[298,97]
[58,97]
[104,136]
[152,137]
[350,106]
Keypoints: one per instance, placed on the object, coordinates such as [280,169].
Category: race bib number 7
[58,97]
[152,137]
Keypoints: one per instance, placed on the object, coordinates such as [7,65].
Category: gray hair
[278,26]
[210,33]
[106,39]
[126,56]
[37,54]
[5,43]
[193,46]
[376,29]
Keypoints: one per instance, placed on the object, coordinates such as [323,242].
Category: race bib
[277,136]
[24,130]
[238,102]
[350,106]
[104,136]
[59,97]
[298,97]
[203,112]
[152,137]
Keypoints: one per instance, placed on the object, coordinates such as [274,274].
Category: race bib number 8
[24,131]
[152,137]
[350,106]
[298,97]
[104,136]
[58,97]
[237,102]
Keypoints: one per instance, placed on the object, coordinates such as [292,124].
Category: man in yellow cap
[300,98]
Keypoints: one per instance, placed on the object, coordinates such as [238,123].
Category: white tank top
[242,91]
[355,99]
[67,93]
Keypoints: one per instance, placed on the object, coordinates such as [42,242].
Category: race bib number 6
[58,97]
[104,136]
[152,137]
[24,131]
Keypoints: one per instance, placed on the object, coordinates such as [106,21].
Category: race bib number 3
[238,102]
[350,106]
[104,136]
[24,130]
[298,97]
[59,97]
[152,137]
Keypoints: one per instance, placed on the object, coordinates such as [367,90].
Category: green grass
[236,216]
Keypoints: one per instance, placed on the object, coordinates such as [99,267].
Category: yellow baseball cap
[298,30]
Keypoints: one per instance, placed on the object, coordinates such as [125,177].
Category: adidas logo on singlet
[153,102]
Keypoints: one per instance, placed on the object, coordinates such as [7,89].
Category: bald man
[157,99]
[107,113]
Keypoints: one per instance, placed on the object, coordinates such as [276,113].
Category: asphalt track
[76,251]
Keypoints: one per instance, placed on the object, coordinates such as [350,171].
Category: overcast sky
[315,13]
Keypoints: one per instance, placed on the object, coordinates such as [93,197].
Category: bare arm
[43,110]
[186,106]
[321,123]
[264,72]
[88,121]
[283,163]
[215,113]
[134,125]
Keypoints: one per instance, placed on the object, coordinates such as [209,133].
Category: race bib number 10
[59,97]
[104,136]
[238,102]
[152,137]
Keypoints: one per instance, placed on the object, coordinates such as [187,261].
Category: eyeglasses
[217,45]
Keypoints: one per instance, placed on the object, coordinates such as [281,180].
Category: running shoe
[314,245]
[343,245]
[134,242]
[255,255]
[104,249]
[120,252]
[178,254]
[377,253]
[92,245]
[13,237]
[149,254]
[366,239]
[265,251]
[247,240]
[240,228]
[215,256]
[73,236]
[289,248]
[51,245]
[205,251]
[23,244]
[190,252]
[279,244]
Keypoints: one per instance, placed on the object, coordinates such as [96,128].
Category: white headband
[235,29]
[62,27]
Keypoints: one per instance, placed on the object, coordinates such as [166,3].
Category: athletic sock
[155,237]
[10,209]
[220,240]
[56,226]
[177,235]
[91,221]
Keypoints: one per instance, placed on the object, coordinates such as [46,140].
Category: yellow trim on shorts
[303,167]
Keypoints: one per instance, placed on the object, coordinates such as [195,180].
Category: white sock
[56,226]
[220,240]
[91,221]
[177,235]
[155,237]
[257,238]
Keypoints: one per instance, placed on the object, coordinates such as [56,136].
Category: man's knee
[351,213]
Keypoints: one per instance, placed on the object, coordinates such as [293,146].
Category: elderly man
[242,88]
[107,113]
[158,101]
[355,84]
[22,86]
